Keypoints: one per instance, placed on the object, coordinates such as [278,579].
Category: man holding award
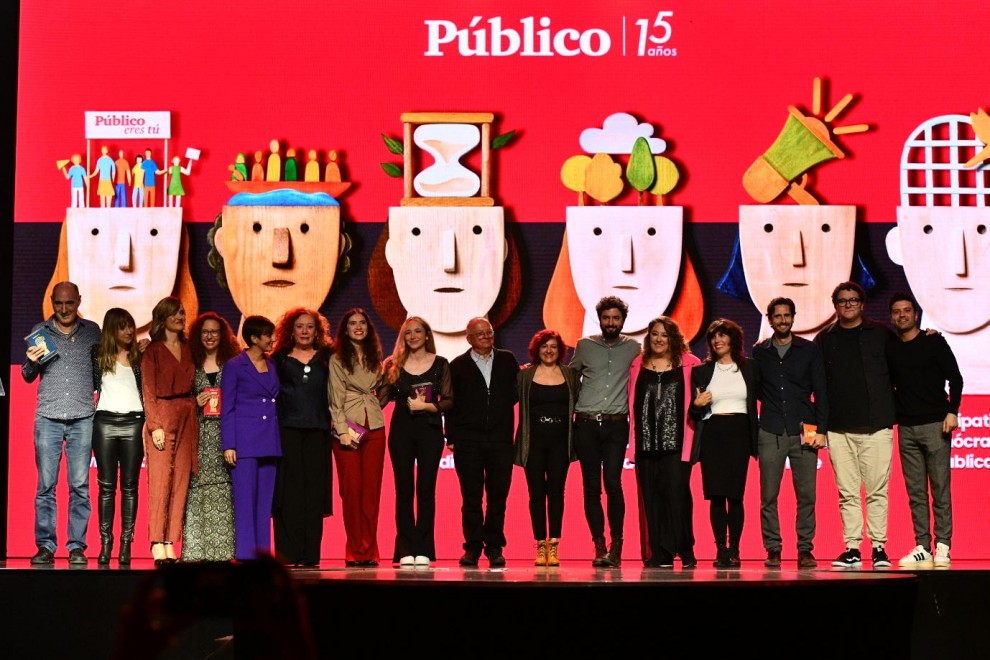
[792,427]
[64,417]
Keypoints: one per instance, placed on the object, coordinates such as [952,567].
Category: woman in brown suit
[170,433]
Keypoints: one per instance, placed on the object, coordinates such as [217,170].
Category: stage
[520,610]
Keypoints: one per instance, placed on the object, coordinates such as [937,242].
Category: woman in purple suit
[250,436]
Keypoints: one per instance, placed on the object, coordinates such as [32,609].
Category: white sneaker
[917,557]
[942,559]
[422,561]
[407,562]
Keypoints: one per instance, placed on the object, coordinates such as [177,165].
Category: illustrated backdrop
[713,80]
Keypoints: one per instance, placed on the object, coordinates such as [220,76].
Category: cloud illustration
[617,135]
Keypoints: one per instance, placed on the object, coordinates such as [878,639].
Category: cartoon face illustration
[280,257]
[631,252]
[121,259]
[447,261]
[944,251]
[799,252]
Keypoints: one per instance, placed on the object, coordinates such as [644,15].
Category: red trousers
[169,470]
[359,479]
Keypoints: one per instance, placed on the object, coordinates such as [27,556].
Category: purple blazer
[248,417]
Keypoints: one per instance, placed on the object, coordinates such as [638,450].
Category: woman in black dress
[725,388]
[304,479]
[418,380]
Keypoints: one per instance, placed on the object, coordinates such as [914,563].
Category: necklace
[726,369]
[666,365]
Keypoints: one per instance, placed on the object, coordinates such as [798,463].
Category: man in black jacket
[920,366]
[480,433]
[861,420]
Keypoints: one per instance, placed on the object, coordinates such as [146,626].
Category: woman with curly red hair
[208,534]
[548,390]
[304,479]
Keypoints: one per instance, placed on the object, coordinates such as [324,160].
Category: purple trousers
[253,481]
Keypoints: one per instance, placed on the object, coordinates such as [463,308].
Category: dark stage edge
[518,611]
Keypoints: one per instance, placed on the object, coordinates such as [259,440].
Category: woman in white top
[117,426]
[725,388]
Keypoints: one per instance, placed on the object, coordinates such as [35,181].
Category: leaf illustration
[393,145]
[503,139]
[392,169]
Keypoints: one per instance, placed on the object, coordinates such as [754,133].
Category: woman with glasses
[418,380]
[208,534]
[304,478]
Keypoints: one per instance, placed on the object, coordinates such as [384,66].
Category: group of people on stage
[236,439]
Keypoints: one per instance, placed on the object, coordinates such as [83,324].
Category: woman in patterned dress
[209,529]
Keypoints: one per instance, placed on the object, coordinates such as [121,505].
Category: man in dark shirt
[861,420]
[792,395]
[480,433]
[64,417]
[920,365]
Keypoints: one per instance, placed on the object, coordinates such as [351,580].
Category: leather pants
[117,442]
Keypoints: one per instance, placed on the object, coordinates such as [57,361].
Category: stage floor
[520,610]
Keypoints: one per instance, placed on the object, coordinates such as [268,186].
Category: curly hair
[226,349]
[678,347]
[372,357]
[396,361]
[284,328]
[106,355]
[542,337]
[731,330]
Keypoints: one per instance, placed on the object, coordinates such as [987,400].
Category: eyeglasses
[210,333]
[484,333]
[848,302]
[306,371]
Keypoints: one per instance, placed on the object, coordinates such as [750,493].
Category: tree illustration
[603,179]
[573,175]
[641,171]
[667,176]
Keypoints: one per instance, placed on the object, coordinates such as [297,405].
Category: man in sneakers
[793,394]
[601,425]
[63,422]
[920,366]
[861,420]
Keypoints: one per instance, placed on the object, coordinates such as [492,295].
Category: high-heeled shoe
[159,556]
[170,557]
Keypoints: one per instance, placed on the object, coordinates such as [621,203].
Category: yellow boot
[552,558]
[541,553]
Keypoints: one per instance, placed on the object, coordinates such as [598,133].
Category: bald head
[65,303]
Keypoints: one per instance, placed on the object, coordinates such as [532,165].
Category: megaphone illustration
[803,143]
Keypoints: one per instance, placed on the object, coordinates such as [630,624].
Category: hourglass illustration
[447,137]
[447,143]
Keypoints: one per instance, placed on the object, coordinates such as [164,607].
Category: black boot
[128,512]
[107,507]
[721,558]
[614,556]
[600,551]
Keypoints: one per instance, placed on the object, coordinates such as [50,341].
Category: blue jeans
[49,434]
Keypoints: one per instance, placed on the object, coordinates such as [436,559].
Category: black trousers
[546,476]
[665,492]
[601,450]
[484,470]
[303,486]
[415,452]
[119,449]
